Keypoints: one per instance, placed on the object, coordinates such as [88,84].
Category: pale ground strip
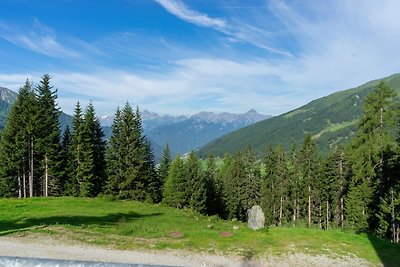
[45,247]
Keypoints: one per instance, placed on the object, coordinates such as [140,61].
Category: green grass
[133,225]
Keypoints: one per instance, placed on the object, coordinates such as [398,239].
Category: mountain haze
[331,120]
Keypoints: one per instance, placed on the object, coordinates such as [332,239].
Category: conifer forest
[355,188]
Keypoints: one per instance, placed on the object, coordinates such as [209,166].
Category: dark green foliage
[164,165]
[196,185]
[311,172]
[241,184]
[15,149]
[214,187]
[174,194]
[48,138]
[334,188]
[275,186]
[374,140]
[131,170]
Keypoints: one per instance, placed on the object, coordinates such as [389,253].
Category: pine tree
[66,157]
[196,185]
[334,188]
[234,197]
[214,188]
[368,153]
[17,146]
[75,155]
[174,194]
[310,173]
[163,168]
[275,187]
[48,138]
[93,155]
[252,179]
[295,184]
[114,156]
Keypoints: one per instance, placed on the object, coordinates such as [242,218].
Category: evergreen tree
[48,138]
[334,188]
[66,157]
[163,168]
[93,155]
[368,153]
[196,186]
[114,156]
[310,173]
[214,188]
[75,154]
[274,187]
[17,146]
[295,184]
[153,183]
[174,194]
[252,179]
[235,189]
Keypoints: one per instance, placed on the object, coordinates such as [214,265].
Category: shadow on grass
[8,226]
[388,253]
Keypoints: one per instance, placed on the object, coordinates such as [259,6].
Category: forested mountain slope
[330,120]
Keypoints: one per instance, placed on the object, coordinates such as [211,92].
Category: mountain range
[183,133]
[186,132]
[331,120]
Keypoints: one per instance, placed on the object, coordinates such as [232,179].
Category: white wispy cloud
[179,9]
[39,38]
[237,29]
[332,47]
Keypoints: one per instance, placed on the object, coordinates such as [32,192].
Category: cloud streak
[180,10]
[40,39]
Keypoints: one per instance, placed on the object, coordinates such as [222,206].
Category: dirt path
[48,248]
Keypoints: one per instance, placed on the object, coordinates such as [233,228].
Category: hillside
[130,225]
[331,120]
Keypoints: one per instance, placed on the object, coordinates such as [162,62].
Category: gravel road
[47,248]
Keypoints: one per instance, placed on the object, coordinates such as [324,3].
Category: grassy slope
[330,120]
[132,225]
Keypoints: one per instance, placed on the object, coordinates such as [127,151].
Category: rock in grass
[256,218]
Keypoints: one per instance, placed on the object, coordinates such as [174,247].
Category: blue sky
[185,56]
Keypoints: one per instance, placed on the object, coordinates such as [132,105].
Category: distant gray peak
[7,95]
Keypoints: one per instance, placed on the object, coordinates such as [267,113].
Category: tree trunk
[294,212]
[393,217]
[309,206]
[23,179]
[31,170]
[327,214]
[46,178]
[19,187]
[341,190]
[280,212]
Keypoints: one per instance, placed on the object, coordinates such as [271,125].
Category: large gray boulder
[256,218]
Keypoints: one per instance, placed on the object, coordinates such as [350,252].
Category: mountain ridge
[331,120]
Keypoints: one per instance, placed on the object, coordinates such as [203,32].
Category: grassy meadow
[133,225]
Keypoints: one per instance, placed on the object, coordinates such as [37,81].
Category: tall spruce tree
[75,155]
[196,193]
[174,194]
[17,146]
[368,153]
[114,156]
[164,165]
[311,173]
[93,155]
[334,188]
[48,138]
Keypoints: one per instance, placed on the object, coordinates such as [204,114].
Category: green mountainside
[330,120]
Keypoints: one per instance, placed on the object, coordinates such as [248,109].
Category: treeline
[357,187]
